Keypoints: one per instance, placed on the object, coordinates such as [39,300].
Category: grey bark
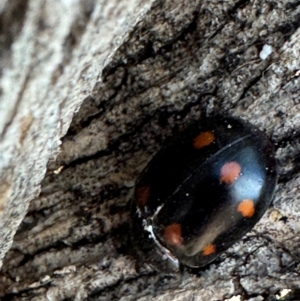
[183,60]
[51,55]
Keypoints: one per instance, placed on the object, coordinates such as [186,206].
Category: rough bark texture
[51,55]
[182,61]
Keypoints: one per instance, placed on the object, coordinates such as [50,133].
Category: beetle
[205,189]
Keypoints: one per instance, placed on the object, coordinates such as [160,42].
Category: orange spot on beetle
[209,249]
[172,235]
[204,139]
[246,208]
[142,195]
[230,171]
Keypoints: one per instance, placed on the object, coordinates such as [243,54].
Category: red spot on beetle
[142,195]
[230,171]
[246,208]
[209,249]
[204,139]
[172,235]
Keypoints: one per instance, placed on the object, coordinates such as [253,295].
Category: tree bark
[51,56]
[141,74]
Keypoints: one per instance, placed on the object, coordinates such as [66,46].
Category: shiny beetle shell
[206,188]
